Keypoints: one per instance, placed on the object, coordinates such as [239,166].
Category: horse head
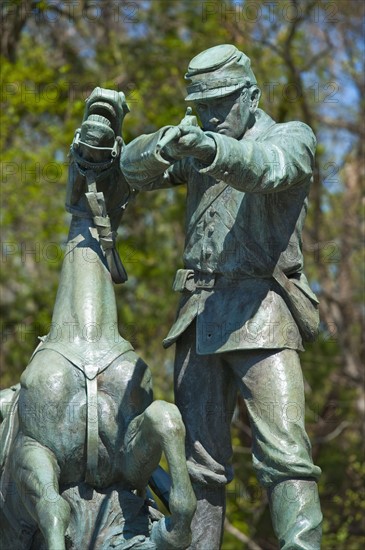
[97,188]
[95,154]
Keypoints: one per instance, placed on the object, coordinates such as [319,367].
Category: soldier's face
[225,115]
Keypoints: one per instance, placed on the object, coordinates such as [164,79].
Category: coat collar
[262,123]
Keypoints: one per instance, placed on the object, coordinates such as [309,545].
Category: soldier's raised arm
[146,163]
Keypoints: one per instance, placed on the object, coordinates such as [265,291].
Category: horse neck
[85,308]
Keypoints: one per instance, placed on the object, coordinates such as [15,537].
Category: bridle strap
[96,201]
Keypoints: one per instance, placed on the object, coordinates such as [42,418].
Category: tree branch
[335,433]
[241,536]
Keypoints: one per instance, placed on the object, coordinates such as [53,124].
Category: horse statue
[82,435]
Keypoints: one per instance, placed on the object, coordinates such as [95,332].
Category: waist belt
[190,280]
[302,307]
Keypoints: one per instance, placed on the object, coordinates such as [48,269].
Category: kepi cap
[218,72]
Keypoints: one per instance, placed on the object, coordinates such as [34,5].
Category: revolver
[174,132]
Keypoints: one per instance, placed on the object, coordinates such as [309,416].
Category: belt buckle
[205,280]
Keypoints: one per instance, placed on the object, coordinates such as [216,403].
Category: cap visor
[213,94]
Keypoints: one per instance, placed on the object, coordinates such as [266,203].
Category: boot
[207,524]
[296,514]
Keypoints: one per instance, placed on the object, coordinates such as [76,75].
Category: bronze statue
[83,435]
[246,305]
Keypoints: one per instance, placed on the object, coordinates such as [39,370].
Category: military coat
[244,216]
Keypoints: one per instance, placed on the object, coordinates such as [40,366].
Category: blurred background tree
[308,57]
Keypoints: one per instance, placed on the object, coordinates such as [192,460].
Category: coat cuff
[227,149]
[140,161]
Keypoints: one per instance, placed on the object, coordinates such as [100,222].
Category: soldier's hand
[193,142]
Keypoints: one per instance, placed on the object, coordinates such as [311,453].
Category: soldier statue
[246,306]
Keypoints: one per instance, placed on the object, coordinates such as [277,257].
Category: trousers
[271,384]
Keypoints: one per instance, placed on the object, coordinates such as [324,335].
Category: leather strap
[79,361]
[90,371]
[92,171]
[190,280]
[107,237]
[92,430]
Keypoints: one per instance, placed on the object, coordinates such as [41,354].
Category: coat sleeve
[145,169]
[281,159]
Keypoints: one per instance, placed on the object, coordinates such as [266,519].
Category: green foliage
[58,57]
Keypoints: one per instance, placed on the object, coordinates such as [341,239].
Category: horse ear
[125,107]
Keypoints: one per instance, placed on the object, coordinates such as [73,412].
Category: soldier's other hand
[193,142]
